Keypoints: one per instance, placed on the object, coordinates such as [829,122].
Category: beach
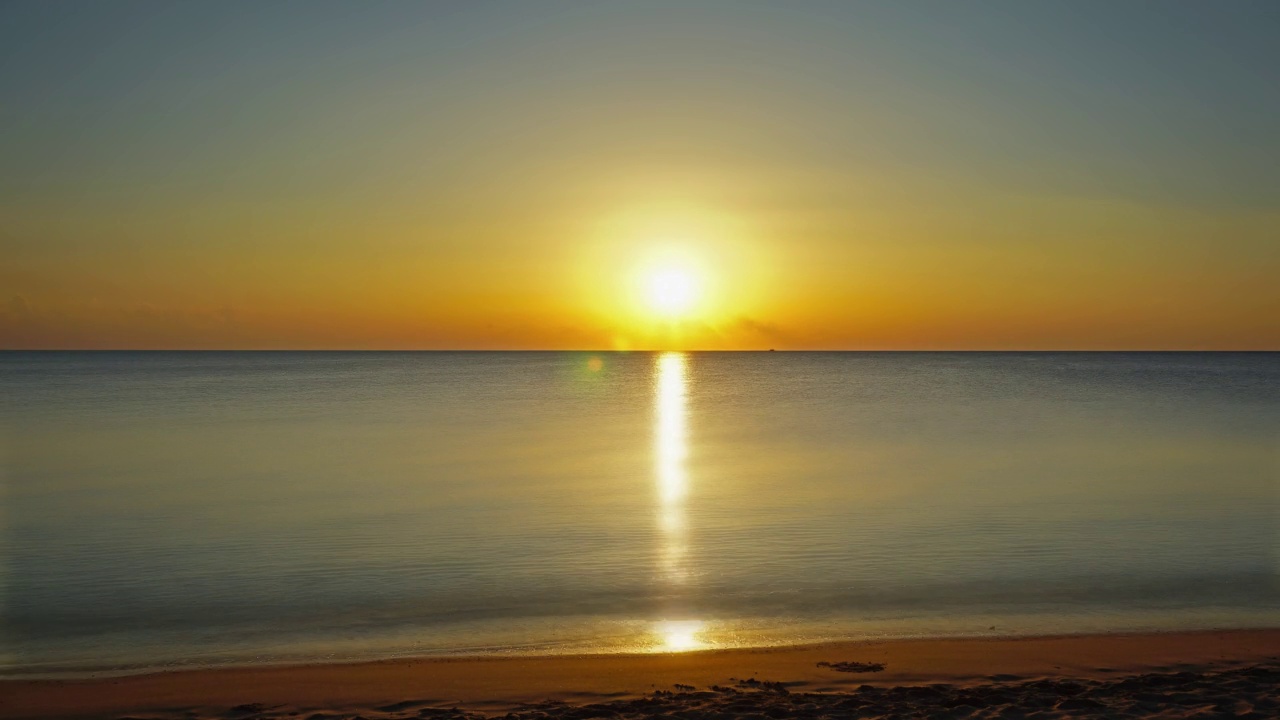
[1232,673]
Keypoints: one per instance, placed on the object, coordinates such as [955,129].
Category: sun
[663,293]
[671,291]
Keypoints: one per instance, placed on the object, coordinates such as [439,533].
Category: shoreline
[114,673]
[498,684]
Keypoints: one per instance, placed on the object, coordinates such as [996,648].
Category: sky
[540,175]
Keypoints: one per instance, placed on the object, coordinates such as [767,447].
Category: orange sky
[505,180]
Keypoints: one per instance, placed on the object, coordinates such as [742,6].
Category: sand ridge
[1249,692]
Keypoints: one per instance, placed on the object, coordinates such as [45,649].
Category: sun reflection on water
[671,452]
[671,448]
[681,635]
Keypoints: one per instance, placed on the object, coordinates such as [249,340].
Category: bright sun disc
[671,291]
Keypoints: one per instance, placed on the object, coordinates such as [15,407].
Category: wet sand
[1193,674]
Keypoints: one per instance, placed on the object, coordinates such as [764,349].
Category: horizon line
[656,350]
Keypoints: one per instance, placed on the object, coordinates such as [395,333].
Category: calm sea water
[169,509]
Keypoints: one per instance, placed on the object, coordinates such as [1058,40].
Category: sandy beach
[1190,674]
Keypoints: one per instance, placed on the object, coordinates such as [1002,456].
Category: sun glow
[675,278]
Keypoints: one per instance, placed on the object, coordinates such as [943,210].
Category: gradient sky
[914,175]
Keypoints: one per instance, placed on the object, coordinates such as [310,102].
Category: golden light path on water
[674,633]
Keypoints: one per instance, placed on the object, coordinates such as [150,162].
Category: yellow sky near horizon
[878,273]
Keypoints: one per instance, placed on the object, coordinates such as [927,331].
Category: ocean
[162,510]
